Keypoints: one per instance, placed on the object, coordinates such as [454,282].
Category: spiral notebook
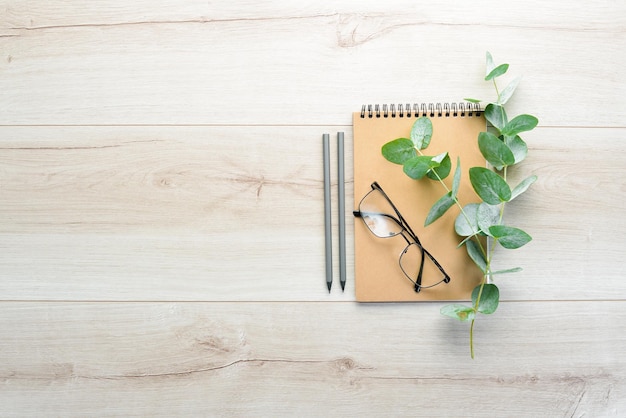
[378,274]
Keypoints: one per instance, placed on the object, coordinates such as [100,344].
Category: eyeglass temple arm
[418,282]
[434,260]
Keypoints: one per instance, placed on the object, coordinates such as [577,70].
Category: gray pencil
[327,214]
[342,211]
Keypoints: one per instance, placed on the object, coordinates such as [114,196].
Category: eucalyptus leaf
[458,311]
[519,124]
[510,237]
[496,115]
[439,208]
[489,298]
[490,65]
[497,72]
[491,188]
[443,169]
[476,255]
[399,150]
[456,181]
[486,216]
[467,99]
[418,166]
[517,146]
[506,94]
[421,132]
[461,224]
[523,186]
[495,151]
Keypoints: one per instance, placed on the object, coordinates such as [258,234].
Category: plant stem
[489,256]
[486,275]
[480,293]
[471,342]
[495,85]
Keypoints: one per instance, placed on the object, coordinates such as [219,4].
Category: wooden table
[161,216]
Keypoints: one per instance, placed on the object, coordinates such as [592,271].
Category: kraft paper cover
[378,277]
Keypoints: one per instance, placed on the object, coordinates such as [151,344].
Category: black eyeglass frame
[405,228]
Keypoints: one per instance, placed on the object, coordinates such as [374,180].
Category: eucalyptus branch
[485,219]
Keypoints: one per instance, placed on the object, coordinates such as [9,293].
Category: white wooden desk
[161,216]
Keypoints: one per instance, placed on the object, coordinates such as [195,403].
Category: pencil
[327,212]
[342,210]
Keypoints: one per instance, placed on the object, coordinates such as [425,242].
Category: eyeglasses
[384,220]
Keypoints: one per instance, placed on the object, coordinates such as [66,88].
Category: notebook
[378,275]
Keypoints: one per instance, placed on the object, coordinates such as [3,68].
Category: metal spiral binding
[421,109]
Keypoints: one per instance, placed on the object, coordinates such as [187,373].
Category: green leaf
[510,237]
[421,132]
[513,270]
[519,124]
[496,115]
[467,99]
[461,224]
[506,94]
[458,311]
[495,151]
[489,186]
[517,146]
[418,166]
[523,186]
[476,255]
[489,298]
[490,64]
[456,182]
[486,216]
[443,169]
[399,150]
[497,72]
[439,208]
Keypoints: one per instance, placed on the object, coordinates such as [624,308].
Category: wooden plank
[574,213]
[121,64]
[235,209]
[235,213]
[117,12]
[310,359]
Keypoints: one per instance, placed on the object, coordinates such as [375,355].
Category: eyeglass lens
[378,215]
[413,259]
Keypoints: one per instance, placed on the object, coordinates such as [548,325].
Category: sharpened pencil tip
[329,284]
[343,286]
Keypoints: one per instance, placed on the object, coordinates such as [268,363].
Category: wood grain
[164,359]
[207,64]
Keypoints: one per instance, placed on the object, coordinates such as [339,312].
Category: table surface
[161,216]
